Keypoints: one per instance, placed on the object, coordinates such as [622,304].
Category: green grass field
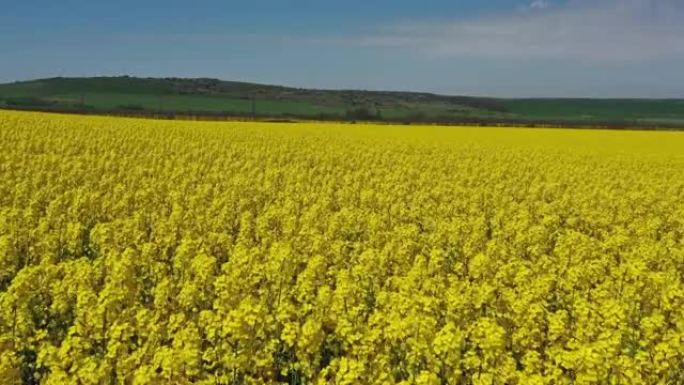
[209,96]
[605,109]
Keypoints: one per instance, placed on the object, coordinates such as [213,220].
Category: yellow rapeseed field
[161,252]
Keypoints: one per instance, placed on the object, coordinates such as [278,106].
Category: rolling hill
[218,98]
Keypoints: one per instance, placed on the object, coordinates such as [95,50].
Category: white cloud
[539,4]
[596,31]
[581,31]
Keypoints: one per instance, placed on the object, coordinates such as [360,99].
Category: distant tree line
[356,114]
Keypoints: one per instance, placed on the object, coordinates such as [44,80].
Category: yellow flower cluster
[159,252]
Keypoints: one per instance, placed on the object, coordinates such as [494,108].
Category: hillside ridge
[223,98]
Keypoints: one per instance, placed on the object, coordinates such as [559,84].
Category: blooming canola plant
[175,252]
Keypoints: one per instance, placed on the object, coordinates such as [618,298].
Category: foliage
[157,252]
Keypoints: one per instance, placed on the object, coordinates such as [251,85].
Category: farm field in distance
[139,251]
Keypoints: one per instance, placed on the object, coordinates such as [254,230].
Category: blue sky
[626,48]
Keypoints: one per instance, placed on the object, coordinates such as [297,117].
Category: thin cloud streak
[603,31]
